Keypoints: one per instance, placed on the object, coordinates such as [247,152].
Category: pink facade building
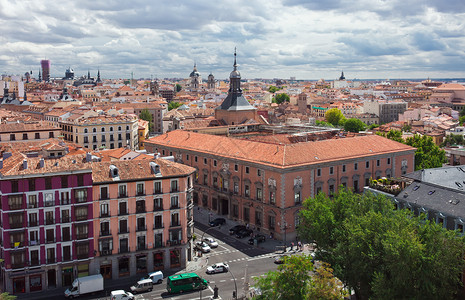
[46,220]
[145,219]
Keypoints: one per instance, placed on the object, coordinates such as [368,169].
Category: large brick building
[264,181]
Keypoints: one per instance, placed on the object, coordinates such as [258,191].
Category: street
[240,256]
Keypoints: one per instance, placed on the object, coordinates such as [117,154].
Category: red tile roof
[277,155]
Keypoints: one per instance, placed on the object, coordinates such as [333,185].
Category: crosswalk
[247,258]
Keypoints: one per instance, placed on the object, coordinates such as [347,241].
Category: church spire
[235,64]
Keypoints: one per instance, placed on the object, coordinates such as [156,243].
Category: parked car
[121,295]
[236,229]
[156,277]
[211,242]
[243,233]
[145,285]
[259,237]
[280,259]
[202,246]
[217,222]
[218,268]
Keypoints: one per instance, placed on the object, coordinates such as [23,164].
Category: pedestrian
[271,235]
[292,246]
[247,225]
[299,244]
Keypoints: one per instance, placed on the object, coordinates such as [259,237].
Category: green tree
[147,116]
[294,280]
[273,89]
[323,123]
[461,120]
[178,87]
[428,154]
[382,253]
[406,128]
[334,116]
[173,105]
[6,296]
[453,139]
[395,135]
[373,126]
[462,112]
[354,125]
[281,98]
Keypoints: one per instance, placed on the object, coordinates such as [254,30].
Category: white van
[121,295]
[157,277]
[145,285]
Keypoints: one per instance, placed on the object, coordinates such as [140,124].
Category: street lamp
[235,286]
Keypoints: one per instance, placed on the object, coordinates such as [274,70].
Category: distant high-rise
[45,64]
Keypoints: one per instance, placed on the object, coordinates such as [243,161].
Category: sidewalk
[203,216]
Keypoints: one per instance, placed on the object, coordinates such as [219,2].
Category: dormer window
[113,171]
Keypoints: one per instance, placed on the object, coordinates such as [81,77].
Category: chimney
[25,164]
[41,162]
[6,155]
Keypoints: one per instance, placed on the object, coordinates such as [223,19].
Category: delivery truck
[85,285]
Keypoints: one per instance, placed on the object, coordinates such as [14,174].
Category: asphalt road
[240,256]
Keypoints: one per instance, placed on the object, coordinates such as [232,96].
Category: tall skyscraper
[45,64]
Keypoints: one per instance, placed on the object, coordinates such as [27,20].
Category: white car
[218,268]
[202,247]
[211,242]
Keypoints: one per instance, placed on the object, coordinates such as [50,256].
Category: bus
[185,282]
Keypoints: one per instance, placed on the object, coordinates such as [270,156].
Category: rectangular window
[331,170]
[259,194]
[32,185]
[271,222]
[355,166]
[158,204]
[65,216]
[104,212]
[49,199]
[49,218]
[247,190]
[80,195]
[195,158]
[174,186]
[297,198]
[122,191]
[32,201]
[343,168]
[246,170]
[15,201]
[33,220]
[140,189]
[378,162]
[367,164]
[388,160]
[214,162]
[272,197]
[204,161]
[259,172]
[103,192]
[175,219]
[157,187]
[236,167]
[318,172]
[48,183]
[174,202]
[236,187]
[246,214]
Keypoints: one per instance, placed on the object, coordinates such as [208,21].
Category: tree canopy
[298,279]
[382,253]
[453,139]
[147,116]
[395,135]
[334,116]
[428,154]
[281,98]
[173,105]
[273,89]
[354,125]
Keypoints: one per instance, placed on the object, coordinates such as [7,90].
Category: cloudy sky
[308,39]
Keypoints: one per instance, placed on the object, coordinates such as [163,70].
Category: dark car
[236,229]
[217,222]
[243,233]
[259,237]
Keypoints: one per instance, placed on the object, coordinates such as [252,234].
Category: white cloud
[275,38]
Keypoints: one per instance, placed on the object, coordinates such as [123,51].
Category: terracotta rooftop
[26,127]
[137,169]
[283,156]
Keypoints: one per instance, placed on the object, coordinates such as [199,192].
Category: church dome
[194,72]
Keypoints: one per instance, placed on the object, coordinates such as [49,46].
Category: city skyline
[274,39]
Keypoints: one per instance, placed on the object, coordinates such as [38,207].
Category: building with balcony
[261,179]
[46,221]
[145,217]
[99,132]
